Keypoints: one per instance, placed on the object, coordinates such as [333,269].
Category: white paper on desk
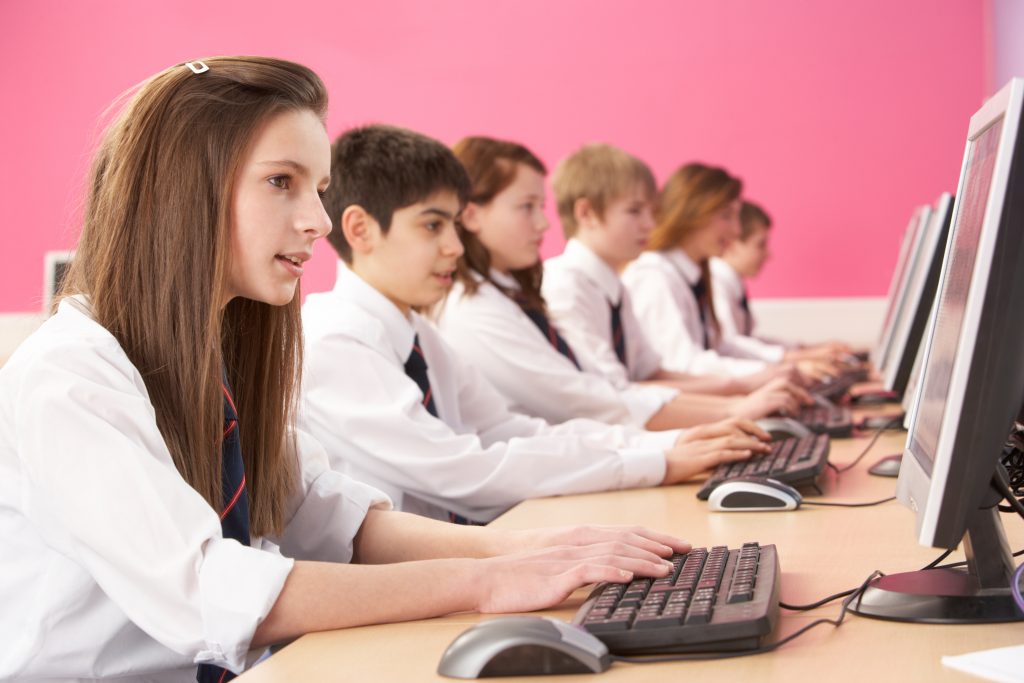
[1003,664]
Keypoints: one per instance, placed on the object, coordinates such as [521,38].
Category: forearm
[690,410]
[321,596]
[714,385]
[388,536]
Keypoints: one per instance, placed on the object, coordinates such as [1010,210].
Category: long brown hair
[689,201]
[492,166]
[153,258]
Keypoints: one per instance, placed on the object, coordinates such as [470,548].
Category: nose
[314,221]
[543,223]
[451,244]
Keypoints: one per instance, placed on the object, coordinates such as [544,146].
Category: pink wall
[841,117]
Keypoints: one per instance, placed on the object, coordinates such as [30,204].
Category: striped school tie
[748,321]
[546,328]
[234,517]
[700,293]
[416,370]
[618,333]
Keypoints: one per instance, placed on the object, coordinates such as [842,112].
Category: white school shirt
[580,288]
[491,331]
[738,324]
[659,285]
[112,565]
[477,458]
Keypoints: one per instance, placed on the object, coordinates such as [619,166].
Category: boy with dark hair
[394,405]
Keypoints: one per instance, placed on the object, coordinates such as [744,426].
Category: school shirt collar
[506,281]
[685,265]
[398,329]
[580,256]
[725,270]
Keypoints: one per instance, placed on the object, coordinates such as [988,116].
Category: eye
[322,193]
[433,226]
[280,181]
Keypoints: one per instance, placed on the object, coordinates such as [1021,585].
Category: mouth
[445,277]
[293,262]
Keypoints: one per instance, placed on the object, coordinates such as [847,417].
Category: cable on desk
[698,656]
[874,439]
[848,505]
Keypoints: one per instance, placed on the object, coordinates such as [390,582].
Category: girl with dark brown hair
[153,490]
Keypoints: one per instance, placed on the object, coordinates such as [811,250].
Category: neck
[594,246]
[695,254]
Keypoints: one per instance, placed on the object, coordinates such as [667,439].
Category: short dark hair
[752,215]
[383,169]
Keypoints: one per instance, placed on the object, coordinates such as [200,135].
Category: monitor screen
[981,159]
[971,389]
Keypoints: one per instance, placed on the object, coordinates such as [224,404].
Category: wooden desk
[822,551]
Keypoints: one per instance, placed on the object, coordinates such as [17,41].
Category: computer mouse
[889,466]
[783,427]
[753,494]
[883,421]
[523,646]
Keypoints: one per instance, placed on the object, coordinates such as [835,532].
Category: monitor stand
[981,594]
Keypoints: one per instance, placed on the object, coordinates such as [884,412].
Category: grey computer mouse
[889,466]
[523,646]
[753,494]
[783,427]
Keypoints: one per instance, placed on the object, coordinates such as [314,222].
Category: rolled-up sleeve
[103,490]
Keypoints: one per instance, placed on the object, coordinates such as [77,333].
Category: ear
[360,229]
[470,217]
[583,212]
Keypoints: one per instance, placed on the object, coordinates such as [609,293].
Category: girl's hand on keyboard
[543,578]
[705,447]
[777,396]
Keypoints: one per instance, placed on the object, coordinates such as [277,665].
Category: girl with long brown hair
[153,491]
[670,284]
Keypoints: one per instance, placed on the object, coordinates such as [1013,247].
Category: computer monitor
[909,249]
[972,387]
[55,268]
[922,281]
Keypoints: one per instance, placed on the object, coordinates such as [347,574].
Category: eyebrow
[433,211]
[299,168]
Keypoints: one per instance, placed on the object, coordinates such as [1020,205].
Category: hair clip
[197,69]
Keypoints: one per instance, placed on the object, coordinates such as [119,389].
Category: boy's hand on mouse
[542,578]
[705,447]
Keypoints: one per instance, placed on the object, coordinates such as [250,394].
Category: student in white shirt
[605,203]
[495,315]
[670,284]
[743,259]
[152,490]
[440,440]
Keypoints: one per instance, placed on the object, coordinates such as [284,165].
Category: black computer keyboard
[713,600]
[837,387]
[836,421]
[796,462]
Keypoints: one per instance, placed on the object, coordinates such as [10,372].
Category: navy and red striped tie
[234,516]
[700,293]
[618,333]
[416,369]
[540,319]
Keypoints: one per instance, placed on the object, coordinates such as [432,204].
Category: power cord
[874,439]
[848,505]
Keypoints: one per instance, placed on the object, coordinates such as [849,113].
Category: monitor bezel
[941,514]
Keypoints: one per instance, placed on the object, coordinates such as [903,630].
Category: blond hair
[601,174]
